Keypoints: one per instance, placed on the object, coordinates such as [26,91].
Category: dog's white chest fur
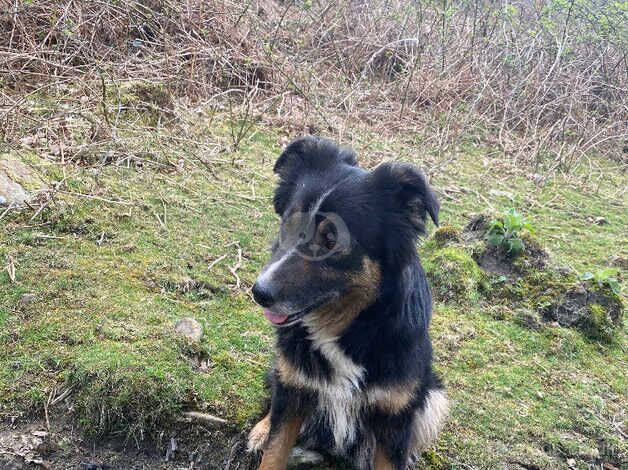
[341,398]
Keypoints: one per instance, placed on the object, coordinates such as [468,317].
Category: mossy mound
[447,234]
[596,311]
[555,295]
[114,398]
[496,260]
[529,319]
[453,274]
[462,266]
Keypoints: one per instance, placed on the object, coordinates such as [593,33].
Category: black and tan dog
[344,287]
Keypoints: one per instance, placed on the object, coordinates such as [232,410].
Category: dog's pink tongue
[275,318]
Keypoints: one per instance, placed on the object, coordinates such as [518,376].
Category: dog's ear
[408,198]
[311,152]
[306,154]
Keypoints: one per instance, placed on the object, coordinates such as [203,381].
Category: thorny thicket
[546,81]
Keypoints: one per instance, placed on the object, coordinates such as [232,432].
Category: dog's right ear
[306,154]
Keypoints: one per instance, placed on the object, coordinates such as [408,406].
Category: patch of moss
[124,392]
[432,460]
[453,274]
[446,234]
[598,324]
[528,319]
[539,289]
[604,314]
[78,220]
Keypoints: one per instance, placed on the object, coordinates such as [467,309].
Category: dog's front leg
[392,440]
[259,435]
[281,439]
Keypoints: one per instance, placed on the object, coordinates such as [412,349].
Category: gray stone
[16,181]
[27,299]
[11,193]
[189,328]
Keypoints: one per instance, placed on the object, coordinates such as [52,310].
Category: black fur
[385,211]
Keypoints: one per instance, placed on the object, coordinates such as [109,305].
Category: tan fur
[331,320]
[286,372]
[381,461]
[259,434]
[278,449]
[391,400]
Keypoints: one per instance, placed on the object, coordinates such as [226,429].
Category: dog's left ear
[407,193]
[313,153]
[309,154]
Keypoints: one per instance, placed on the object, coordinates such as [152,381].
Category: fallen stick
[205,417]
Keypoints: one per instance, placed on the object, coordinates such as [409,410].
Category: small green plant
[604,277]
[506,232]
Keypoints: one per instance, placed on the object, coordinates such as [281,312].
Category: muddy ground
[33,445]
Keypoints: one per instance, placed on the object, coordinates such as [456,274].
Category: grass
[111,278]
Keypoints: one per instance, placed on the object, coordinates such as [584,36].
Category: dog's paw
[259,435]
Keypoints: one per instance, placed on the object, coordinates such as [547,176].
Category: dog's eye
[330,241]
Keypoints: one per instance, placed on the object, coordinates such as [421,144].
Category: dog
[351,305]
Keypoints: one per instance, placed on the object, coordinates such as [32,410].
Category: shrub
[604,277]
[507,232]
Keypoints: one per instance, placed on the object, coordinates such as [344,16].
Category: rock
[189,328]
[16,179]
[11,193]
[26,299]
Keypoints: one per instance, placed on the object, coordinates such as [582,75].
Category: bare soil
[31,445]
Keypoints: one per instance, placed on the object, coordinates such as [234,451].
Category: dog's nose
[262,295]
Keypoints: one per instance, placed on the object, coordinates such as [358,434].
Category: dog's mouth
[282,319]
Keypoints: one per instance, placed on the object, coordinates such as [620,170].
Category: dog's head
[341,228]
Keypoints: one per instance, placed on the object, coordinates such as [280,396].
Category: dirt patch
[495,260]
[30,445]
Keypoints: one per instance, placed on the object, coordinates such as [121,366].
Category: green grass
[116,276]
